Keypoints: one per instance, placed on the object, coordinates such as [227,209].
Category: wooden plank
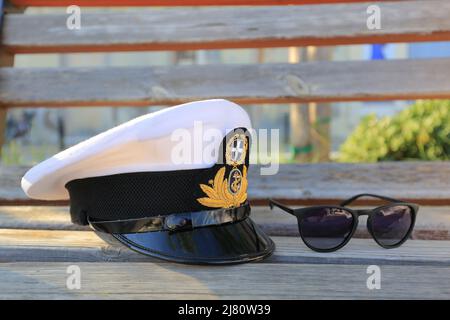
[59,245]
[37,217]
[333,182]
[433,223]
[424,182]
[129,3]
[217,28]
[248,281]
[266,83]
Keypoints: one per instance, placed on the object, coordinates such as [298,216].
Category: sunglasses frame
[298,213]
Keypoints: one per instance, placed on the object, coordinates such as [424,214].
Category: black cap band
[174,222]
[141,195]
[135,195]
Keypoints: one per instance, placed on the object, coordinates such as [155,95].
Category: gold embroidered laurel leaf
[219,196]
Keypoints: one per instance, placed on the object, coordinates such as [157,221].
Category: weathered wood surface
[128,3]
[77,246]
[422,182]
[214,28]
[37,217]
[163,281]
[265,83]
[433,223]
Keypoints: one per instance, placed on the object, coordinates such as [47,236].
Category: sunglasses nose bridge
[363,212]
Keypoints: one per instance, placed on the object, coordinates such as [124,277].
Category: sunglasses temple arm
[350,200]
[281,206]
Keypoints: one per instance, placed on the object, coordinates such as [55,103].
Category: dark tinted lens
[326,228]
[390,225]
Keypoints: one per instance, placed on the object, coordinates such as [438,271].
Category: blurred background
[343,132]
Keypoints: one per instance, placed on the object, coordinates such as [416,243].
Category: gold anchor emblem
[235,179]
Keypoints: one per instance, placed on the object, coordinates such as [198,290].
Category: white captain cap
[142,144]
[125,182]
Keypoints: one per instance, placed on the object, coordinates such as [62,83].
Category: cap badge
[235,180]
[236,149]
[222,194]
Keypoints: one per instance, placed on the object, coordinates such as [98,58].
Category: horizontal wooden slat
[248,281]
[422,182]
[56,245]
[266,83]
[129,3]
[214,28]
[433,223]
[37,217]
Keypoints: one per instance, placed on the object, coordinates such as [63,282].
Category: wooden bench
[38,242]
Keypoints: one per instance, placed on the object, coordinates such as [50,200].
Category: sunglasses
[329,228]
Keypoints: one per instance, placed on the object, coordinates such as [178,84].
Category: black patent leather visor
[228,243]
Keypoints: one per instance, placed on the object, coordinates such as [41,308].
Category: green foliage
[11,154]
[15,153]
[421,132]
